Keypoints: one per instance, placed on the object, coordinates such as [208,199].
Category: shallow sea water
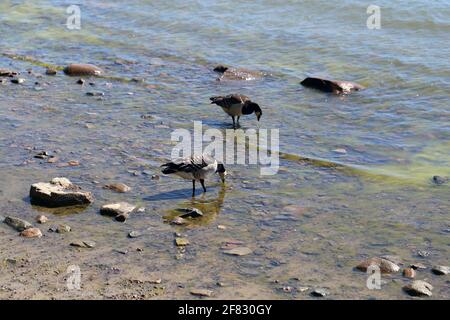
[308,226]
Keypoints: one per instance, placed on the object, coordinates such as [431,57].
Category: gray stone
[440,270]
[59,192]
[320,292]
[63,228]
[202,292]
[419,288]
[17,223]
[239,251]
[385,266]
[120,211]
[134,234]
[77,69]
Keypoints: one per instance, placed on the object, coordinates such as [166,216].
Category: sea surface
[309,225]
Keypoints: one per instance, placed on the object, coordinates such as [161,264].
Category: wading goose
[195,168]
[236,105]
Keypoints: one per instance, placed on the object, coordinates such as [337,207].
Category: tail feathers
[169,168]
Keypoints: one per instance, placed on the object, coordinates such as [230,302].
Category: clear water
[377,199]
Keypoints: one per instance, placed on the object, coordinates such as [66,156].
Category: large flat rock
[332,86]
[59,192]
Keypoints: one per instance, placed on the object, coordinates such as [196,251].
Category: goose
[197,167]
[236,105]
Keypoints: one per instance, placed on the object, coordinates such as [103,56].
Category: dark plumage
[236,105]
[195,168]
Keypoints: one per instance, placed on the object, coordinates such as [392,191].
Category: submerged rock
[419,288]
[31,233]
[59,192]
[51,71]
[385,266]
[440,270]
[239,251]
[134,234]
[181,242]
[17,223]
[179,221]
[63,228]
[440,180]
[118,187]
[77,69]
[120,211]
[190,212]
[18,80]
[332,86]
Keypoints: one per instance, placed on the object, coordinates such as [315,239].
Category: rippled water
[376,199]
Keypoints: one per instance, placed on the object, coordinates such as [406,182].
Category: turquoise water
[375,199]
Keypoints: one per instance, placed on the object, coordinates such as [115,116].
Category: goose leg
[193,188]
[202,181]
[234,122]
[238,124]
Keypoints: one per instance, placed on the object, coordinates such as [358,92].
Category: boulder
[419,288]
[59,192]
[120,211]
[17,223]
[332,86]
[78,69]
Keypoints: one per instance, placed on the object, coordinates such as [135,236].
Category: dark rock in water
[320,292]
[190,212]
[31,233]
[416,266]
[18,80]
[440,180]
[41,155]
[419,288]
[120,211]
[95,93]
[80,81]
[332,86]
[440,270]
[7,73]
[423,253]
[83,70]
[59,192]
[385,266]
[229,73]
[17,223]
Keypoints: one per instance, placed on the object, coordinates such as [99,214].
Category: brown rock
[201,292]
[181,242]
[83,70]
[31,233]
[385,266]
[41,219]
[238,251]
[51,72]
[409,273]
